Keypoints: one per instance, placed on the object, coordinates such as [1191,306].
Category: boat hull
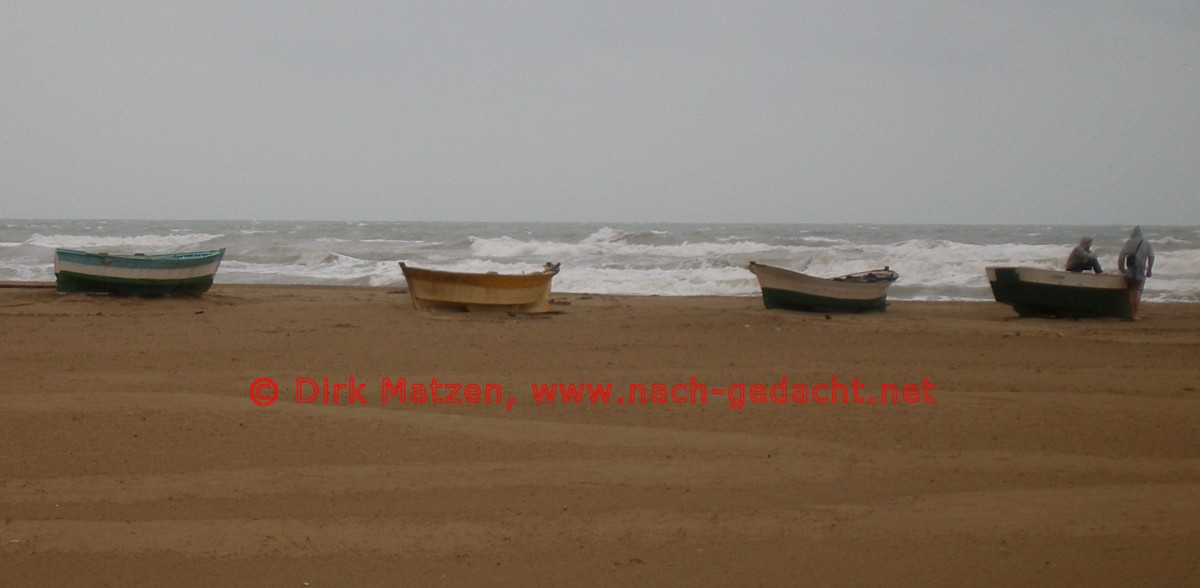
[1042,292]
[442,290]
[138,275]
[789,290]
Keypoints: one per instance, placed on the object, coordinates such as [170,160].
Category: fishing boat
[443,290]
[787,289]
[137,274]
[1035,291]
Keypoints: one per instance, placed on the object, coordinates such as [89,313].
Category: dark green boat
[858,292]
[141,275]
[1043,292]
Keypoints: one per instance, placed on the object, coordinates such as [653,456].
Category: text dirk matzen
[264,392]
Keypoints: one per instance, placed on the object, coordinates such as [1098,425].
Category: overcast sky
[1083,112]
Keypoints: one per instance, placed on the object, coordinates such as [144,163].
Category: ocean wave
[158,243]
[712,281]
[394,241]
[312,258]
[605,235]
[824,240]
[1169,241]
[333,270]
[508,247]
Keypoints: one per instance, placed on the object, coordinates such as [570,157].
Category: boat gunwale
[1037,275]
[833,288]
[485,280]
[181,256]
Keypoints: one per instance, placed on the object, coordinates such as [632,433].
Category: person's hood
[1136,233]
[1085,242]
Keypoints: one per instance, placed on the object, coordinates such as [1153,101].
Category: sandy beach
[1033,451]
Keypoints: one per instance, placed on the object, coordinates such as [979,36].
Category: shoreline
[135,454]
[403,289]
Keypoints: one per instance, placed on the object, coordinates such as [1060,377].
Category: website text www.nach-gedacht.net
[735,395]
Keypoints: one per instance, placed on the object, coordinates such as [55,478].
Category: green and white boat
[1035,291]
[137,274]
[858,292]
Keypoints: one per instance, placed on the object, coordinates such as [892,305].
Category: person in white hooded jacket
[1136,262]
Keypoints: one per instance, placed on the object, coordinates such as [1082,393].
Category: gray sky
[949,112]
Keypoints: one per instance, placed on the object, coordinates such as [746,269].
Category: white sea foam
[332,269]
[1169,241]
[10,272]
[725,281]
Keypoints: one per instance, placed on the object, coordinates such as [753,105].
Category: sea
[935,262]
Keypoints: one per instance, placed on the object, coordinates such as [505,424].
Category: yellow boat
[442,290]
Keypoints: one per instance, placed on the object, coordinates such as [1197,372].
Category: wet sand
[1054,452]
